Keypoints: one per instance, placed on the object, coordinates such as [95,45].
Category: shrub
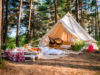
[98,43]
[11,46]
[78,45]
[4,46]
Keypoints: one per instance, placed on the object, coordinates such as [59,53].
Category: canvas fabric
[68,30]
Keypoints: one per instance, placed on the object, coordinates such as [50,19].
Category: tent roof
[72,25]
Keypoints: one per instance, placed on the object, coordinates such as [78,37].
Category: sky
[13,31]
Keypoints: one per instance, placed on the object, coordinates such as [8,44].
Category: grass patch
[2,65]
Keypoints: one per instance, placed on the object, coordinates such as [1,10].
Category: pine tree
[56,10]
[7,22]
[70,6]
[82,14]
[0,27]
[18,25]
[3,2]
[30,12]
[77,10]
[96,19]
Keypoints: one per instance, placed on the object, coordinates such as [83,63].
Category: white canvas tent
[68,30]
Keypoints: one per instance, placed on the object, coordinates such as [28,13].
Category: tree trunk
[95,28]
[97,14]
[7,20]
[32,25]
[99,27]
[82,14]
[3,2]
[18,25]
[96,20]
[31,36]
[0,28]
[56,11]
[47,25]
[89,26]
[77,9]
[29,21]
[70,6]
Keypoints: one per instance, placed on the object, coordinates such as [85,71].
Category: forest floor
[80,64]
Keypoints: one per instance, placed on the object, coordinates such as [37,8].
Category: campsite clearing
[80,64]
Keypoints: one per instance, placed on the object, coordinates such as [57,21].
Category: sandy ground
[81,64]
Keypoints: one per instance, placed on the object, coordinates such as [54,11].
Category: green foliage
[22,41]
[41,8]
[4,46]
[8,45]
[11,40]
[98,43]
[78,45]
[11,46]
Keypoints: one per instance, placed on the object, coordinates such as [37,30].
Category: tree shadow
[68,65]
[88,62]
[87,56]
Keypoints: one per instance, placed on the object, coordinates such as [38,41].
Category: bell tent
[68,30]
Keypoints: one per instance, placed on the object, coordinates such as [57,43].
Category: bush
[78,45]
[98,43]
[4,46]
[11,46]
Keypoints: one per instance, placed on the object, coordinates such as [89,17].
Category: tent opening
[61,35]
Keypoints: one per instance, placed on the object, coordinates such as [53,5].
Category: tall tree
[89,25]
[51,11]
[96,19]
[56,10]
[33,23]
[77,10]
[82,14]
[18,25]
[3,2]
[70,6]
[0,27]
[30,12]
[7,20]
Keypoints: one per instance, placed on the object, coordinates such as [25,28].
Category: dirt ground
[81,64]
